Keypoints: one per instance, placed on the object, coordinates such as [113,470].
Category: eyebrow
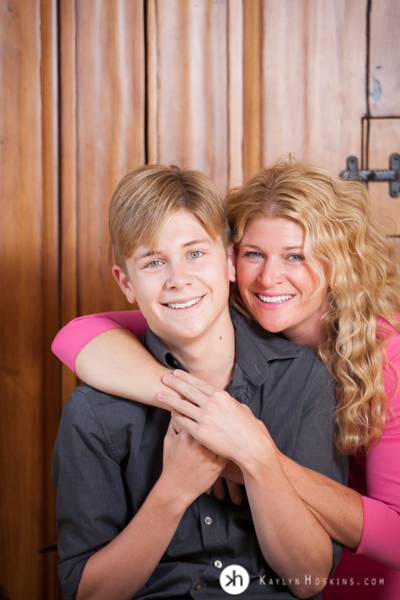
[300,247]
[186,245]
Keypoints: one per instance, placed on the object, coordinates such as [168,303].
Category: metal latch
[392,175]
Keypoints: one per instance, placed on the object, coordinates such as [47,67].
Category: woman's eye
[196,254]
[296,258]
[252,254]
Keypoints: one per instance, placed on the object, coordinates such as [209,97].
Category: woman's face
[277,284]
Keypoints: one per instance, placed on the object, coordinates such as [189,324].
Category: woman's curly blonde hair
[364,281]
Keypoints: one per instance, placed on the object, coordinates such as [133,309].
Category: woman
[313,267]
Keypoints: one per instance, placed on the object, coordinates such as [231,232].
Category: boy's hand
[215,419]
[189,468]
[234,490]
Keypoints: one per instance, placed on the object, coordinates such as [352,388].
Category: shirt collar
[255,348]
[155,346]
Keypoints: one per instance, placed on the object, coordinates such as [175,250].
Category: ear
[124,283]
[232,262]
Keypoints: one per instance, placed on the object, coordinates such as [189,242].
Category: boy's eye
[154,263]
[196,254]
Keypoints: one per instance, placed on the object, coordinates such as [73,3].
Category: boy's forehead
[182,230]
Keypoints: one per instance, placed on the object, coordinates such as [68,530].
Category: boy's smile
[182,287]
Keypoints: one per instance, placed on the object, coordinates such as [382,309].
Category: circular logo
[234,580]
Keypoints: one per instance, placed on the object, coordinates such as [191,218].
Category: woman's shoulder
[386,330]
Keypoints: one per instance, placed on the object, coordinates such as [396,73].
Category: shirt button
[218,564]
[208,520]
[197,587]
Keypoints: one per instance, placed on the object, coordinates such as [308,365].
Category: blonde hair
[146,198]
[341,234]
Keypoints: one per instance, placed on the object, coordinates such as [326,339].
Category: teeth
[186,305]
[274,299]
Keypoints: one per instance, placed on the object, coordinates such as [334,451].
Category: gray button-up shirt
[108,456]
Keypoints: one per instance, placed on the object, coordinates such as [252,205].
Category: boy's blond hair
[146,198]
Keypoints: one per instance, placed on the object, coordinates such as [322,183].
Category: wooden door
[29,300]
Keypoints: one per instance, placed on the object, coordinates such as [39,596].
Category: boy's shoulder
[86,399]
[117,423]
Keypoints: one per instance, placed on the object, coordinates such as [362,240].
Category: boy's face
[182,288]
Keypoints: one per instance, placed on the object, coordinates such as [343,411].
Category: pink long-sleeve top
[373,571]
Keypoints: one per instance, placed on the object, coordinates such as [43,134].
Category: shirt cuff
[381,531]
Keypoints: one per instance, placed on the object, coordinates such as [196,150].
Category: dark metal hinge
[392,175]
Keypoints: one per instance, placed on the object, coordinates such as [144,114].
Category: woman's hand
[215,419]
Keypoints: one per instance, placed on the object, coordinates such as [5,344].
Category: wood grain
[384,140]
[51,306]
[253,97]
[189,109]
[235,92]
[68,178]
[26,291]
[313,80]
[110,134]
[384,81]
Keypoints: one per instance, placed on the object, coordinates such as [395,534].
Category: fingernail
[167,377]
[161,396]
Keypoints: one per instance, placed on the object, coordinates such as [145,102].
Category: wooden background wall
[90,89]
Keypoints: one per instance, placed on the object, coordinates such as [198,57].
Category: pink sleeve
[381,531]
[70,340]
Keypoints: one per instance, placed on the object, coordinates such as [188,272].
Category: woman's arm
[290,537]
[381,532]
[337,507]
[103,351]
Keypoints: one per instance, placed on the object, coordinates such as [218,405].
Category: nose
[178,276]
[271,273]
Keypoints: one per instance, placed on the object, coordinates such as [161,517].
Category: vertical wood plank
[384,82]
[51,402]
[190,42]
[22,427]
[253,98]
[384,140]
[313,79]
[68,175]
[235,92]
[110,134]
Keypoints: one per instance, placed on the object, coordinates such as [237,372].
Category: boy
[133,516]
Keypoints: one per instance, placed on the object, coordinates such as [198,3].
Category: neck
[211,357]
[312,337]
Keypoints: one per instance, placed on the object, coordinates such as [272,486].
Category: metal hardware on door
[392,175]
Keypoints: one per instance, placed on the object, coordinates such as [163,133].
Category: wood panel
[187,73]
[313,79]
[68,178]
[235,92]
[383,140]
[384,83]
[51,303]
[29,301]
[253,97]
[110,112]
[103,137]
